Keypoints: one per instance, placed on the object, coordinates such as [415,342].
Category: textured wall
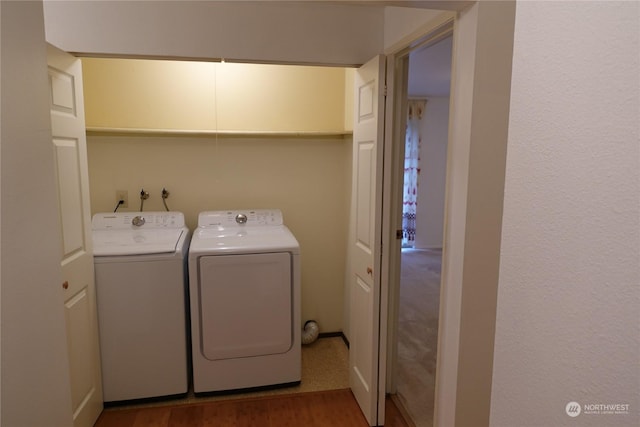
[569,293]
[272,31]
[403,25]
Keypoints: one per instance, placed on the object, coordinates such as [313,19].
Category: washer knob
[138,221]
[241,219]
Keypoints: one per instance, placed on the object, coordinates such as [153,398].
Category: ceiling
[430,70]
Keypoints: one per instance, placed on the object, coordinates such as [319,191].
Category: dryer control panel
[137,220]
[240,218]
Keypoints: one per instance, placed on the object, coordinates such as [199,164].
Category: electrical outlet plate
[122,195]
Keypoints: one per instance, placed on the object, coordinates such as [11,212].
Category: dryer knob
[138,221]
[241,219]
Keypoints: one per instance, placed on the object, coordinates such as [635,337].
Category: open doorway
[418,290]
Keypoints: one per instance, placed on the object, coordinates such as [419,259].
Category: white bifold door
[365,241]
[72,178]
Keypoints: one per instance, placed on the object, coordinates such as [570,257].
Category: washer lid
[135,242]
[242,232]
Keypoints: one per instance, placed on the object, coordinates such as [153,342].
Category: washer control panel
[240,218]
[137,220]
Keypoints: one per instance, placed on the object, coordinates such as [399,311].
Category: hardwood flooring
[318,409]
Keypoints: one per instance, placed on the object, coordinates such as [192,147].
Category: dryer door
[245,305]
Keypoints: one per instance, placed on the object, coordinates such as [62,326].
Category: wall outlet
[122,195]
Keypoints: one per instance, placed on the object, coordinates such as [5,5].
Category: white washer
[244,280]
[140,270]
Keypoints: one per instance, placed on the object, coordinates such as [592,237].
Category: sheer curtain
[415,110]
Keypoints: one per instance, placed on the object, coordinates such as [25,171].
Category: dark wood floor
[335,408]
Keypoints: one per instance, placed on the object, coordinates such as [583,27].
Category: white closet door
[70,153]
[365,247]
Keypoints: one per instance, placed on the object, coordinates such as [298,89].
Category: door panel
[77,314]
[72,179]
[366,249]
[69,195]
[362,297]
[365,157]
[62,92]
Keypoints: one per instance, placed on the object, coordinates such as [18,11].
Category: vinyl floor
[322,399]
[330,408]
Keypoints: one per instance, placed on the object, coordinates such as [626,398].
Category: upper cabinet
[132,94]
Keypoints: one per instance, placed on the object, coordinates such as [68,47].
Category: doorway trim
[398,79]
[483,36]
[400,62]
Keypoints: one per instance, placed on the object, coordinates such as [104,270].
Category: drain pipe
[310,332]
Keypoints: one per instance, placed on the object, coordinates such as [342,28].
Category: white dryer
[141,292]
[244,280]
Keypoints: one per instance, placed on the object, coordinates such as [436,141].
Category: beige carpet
[325,366]
[418,333]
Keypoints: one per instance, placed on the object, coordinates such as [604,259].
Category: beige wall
[349,77]
[307,178]
[35,365]
[189,95]
[431,181]
[305,170]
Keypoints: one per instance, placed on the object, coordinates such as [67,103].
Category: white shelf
[235,133]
